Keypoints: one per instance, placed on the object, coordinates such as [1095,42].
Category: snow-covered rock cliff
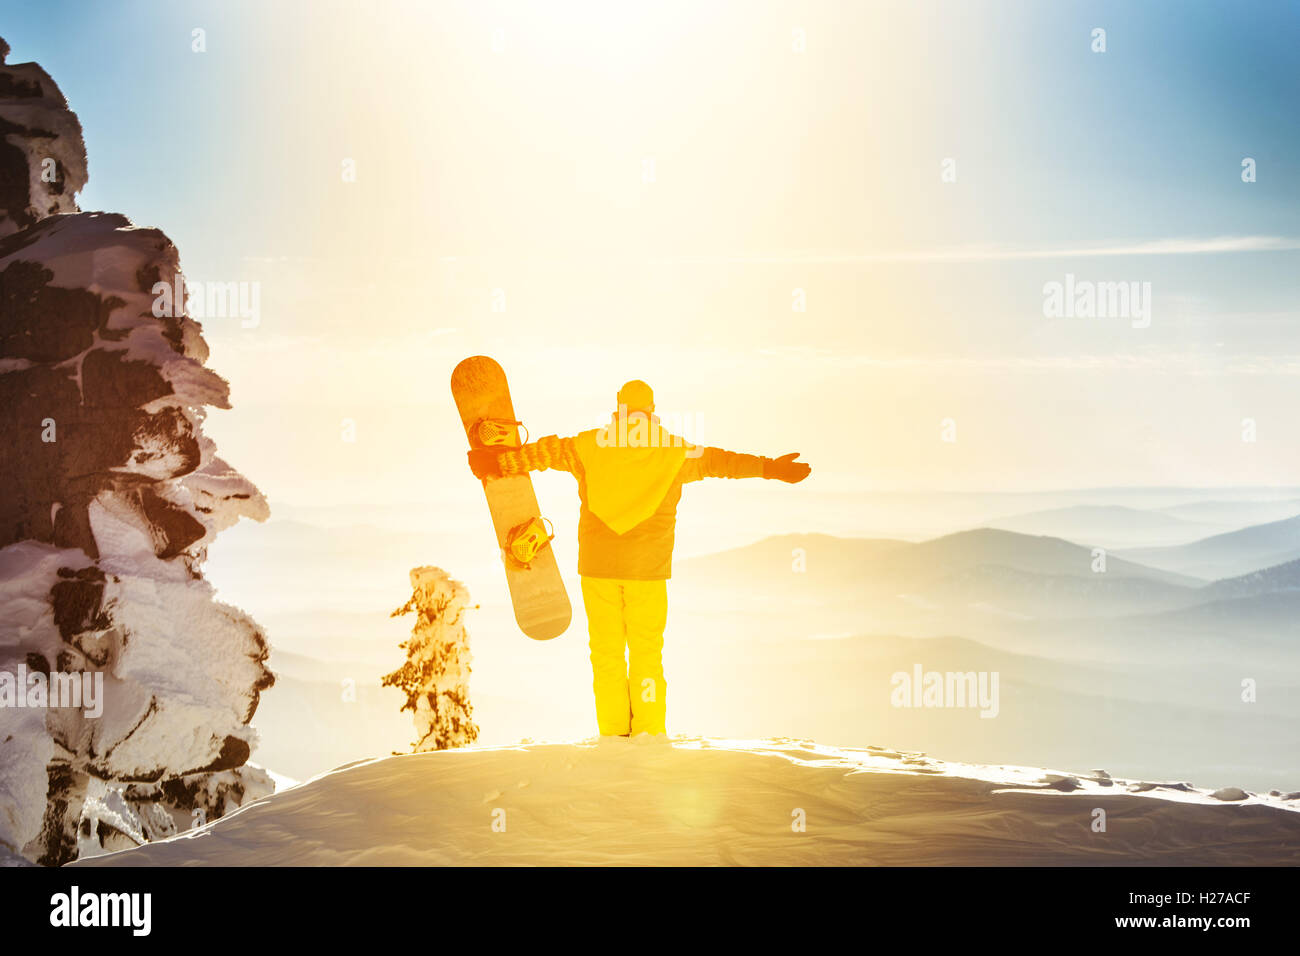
[42,154]
[111,495]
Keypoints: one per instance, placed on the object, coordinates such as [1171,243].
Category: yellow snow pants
[631,615]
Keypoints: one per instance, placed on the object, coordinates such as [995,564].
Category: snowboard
[541,604]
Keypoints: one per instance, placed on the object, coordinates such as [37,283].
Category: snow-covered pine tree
[435,677]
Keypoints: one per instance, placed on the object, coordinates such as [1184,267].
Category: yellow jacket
[629,492]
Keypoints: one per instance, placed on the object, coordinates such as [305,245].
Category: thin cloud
[1188,363]
[1215,245]
[983,253]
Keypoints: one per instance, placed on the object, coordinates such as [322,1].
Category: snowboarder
[630,475]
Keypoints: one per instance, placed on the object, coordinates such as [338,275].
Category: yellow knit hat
[637,396]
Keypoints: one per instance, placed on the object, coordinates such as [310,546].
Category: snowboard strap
[525,541]
[489,432]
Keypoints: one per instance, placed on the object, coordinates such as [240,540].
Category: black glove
[484,463]
[786,468]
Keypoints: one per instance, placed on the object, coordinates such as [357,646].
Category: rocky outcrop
[111,495]
[42,154]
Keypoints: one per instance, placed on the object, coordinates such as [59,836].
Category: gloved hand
[786,468]
[484,463]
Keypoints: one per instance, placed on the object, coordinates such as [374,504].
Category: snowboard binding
[495,432]
[525,541]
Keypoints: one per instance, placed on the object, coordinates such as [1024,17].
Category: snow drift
[728,802]
[111,495]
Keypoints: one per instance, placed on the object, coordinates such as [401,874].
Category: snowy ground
[708,801]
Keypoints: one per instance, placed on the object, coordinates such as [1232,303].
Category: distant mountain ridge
[1281,577]
[1230,554]
[998,571]
[992,585]
[961,550]
[1111,526]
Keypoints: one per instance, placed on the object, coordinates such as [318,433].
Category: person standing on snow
[630,475]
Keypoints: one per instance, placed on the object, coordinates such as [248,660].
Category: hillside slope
[1106,526]
[1228,555]
[960,582]
[727,802]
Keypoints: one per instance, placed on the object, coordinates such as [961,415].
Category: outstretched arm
[717,463]
[551,452]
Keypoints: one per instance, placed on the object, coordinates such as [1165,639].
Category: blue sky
[520,169]
[1142,134]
